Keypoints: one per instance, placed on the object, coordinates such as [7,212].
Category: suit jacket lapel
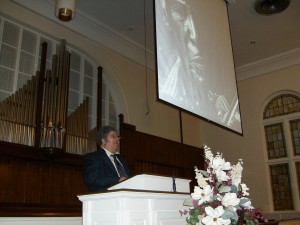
[105,158]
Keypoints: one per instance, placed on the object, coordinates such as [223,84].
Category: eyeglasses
[114,136]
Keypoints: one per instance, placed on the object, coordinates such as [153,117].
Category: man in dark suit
[105,167]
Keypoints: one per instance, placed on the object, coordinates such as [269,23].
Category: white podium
[140,200]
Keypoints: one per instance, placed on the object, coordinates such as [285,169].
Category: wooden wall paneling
[129,146]
[19,181]
[156,168]
[65,183]
[36,184]
[6,181]
[71,183]
[155,155]
[55,185]
[156,149]
[68,186]
[193,157]
[44,183]
[32,184]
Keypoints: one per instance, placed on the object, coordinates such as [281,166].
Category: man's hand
[122,178]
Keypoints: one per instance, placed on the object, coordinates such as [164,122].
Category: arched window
[20,55]
[281,119]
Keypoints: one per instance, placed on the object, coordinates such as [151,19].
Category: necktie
[119,166]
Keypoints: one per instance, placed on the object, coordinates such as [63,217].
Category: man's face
[111,142]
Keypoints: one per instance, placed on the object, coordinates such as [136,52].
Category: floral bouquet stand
[220,197]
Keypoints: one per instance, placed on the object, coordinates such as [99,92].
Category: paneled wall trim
[34,183]
[41,221]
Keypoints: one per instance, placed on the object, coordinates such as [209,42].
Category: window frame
[291,159]
[40,37]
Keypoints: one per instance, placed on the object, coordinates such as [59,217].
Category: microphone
[174,184]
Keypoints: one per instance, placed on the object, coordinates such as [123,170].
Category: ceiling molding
[98,32]
[268,65]
[93,30]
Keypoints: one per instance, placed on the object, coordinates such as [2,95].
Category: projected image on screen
[195,69]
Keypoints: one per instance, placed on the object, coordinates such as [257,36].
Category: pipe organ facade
[36,114]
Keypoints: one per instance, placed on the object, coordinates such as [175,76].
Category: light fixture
[269,7]
[65,9]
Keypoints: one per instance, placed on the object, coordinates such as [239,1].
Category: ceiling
[121,23]
[254,37]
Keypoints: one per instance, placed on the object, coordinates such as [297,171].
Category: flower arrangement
[220,197]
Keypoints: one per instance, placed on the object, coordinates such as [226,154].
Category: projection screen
[194,60]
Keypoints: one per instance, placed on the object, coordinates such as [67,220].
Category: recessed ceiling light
[270,7]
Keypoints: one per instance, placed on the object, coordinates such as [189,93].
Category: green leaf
[234,189]
[233,222]
[204,173]
[188,201]
[193,219]
[230,215]
[244,200]
[224,189]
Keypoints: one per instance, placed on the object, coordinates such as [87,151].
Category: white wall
[253,93]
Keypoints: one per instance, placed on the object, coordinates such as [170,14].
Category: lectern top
[154,183]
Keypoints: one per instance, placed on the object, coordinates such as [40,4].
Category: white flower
[218,163]
[196,195]
[208,153]
[226,166]
[230,199]
[214,216]
[201,180]
[222,176]
[236,174]
[202,195]
[245,189]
